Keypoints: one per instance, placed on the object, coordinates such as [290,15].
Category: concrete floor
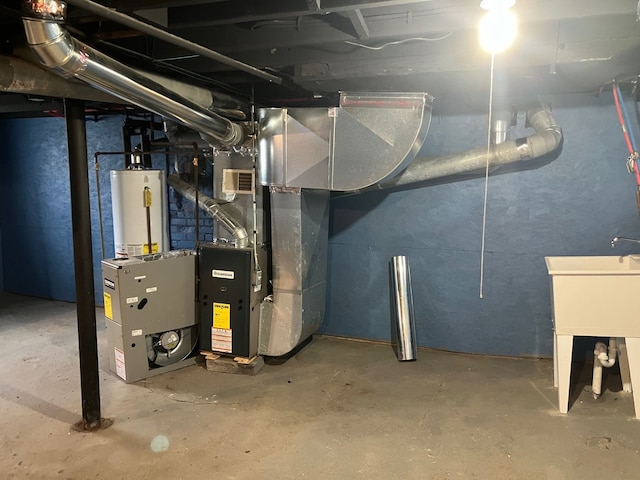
[337,410]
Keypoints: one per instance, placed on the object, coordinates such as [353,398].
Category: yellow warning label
[108,310]
[145,248]
[221,315]
[147,197]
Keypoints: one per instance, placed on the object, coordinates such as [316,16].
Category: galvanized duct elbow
[58,50]
[369,138]
[547,137]
[212,208]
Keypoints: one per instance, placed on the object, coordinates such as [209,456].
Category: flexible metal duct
[58,50]
[547,138]
[212,208]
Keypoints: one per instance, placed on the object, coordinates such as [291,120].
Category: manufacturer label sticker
[109,284]
[132,300]
[151,289]
[221,340]
[228,274]
[136,333]
[120,366]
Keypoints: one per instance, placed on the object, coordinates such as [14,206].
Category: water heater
[139,203]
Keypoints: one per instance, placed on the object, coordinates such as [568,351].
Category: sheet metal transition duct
[367,139]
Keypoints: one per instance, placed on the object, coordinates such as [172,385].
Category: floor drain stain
[601,443]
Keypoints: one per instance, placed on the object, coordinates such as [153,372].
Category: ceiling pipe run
[20,76]
[547,137]
[156,32]
[58,50]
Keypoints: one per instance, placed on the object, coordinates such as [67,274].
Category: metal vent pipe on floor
[403,308]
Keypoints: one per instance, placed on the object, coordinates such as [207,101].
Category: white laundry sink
[596,296]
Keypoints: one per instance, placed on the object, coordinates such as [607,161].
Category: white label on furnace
[120,370]
[132,300]
[136,333]
[228,274]
[151,289]
[221,340]
[140,277]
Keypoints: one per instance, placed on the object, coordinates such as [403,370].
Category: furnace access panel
[229,311]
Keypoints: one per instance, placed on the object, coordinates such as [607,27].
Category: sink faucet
[615,240]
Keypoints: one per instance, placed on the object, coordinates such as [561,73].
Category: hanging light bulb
[499,26]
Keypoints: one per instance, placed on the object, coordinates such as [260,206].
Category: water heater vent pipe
[212,208]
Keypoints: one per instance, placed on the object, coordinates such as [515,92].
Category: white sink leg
[555,360]
[564,354]
[633,353]
[624,366]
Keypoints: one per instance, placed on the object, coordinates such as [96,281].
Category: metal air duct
[19,76]
[212,208]
[299,245]
[58,50]
[547,137]
[368,138]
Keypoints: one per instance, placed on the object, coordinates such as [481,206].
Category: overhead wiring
[398,42]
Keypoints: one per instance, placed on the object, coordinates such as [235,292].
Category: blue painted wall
[35,209]
[571,205]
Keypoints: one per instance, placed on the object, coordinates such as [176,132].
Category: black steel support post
[82,256]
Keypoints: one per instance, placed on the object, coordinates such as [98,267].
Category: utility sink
[596,296]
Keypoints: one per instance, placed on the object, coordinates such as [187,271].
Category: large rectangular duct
[368,139]
[299,243]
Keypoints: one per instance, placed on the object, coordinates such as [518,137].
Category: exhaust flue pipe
[212,208]
[547,138]
[58,50]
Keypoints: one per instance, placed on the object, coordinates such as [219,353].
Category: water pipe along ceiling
[319,47]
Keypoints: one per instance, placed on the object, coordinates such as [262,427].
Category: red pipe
[625,132]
